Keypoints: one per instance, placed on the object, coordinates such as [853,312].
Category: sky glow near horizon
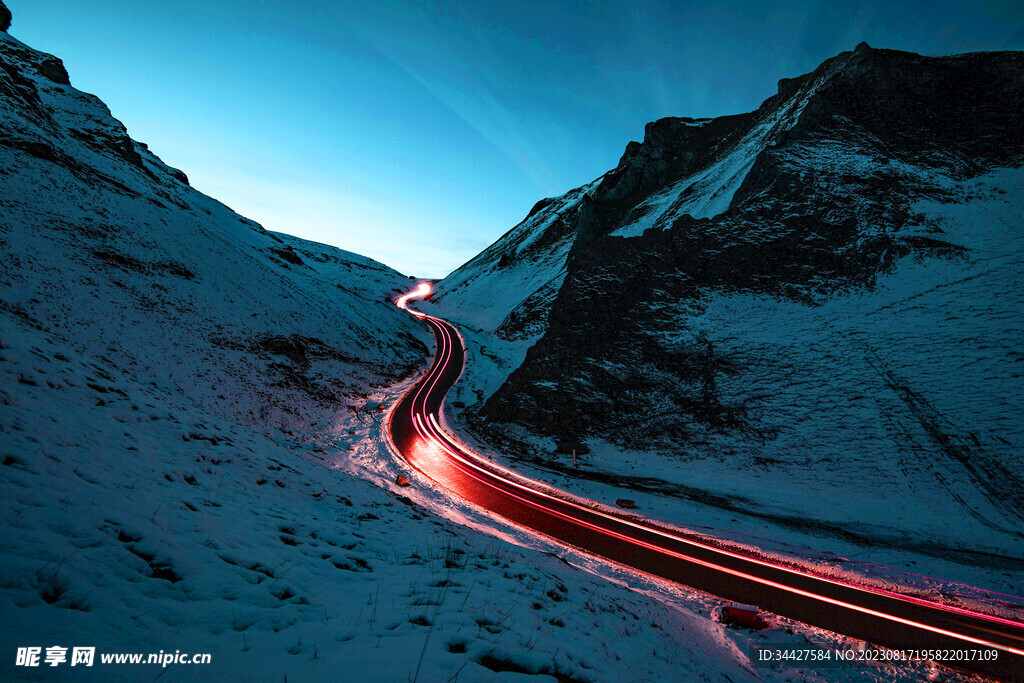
[418,133]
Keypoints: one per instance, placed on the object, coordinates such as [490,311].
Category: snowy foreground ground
[136,524]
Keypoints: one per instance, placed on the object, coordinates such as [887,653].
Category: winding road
[868,613]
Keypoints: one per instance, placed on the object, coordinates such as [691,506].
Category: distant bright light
[423,290]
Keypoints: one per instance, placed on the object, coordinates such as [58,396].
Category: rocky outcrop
[53,69]
[5,17]
[30,82]
[672,149]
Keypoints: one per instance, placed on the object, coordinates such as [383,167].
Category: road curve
[867,613]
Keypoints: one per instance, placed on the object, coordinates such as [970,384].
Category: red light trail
[866,612]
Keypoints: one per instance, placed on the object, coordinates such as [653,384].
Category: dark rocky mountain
[801,225]
[832,277]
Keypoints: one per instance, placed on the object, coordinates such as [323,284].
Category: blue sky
[417,133]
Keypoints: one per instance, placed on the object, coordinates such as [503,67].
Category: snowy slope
[136,522]
[508,287]
[113,252]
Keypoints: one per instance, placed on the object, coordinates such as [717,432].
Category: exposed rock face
[885,108]
[34,125]
[54,70]
[5,17]
[834,168]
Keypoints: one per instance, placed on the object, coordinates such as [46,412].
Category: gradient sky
[417,133]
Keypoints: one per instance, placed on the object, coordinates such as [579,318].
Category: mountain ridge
[797,293]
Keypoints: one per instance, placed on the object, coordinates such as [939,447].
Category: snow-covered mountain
[193,460]
[827,289]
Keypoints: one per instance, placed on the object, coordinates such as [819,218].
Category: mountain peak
[5,17]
